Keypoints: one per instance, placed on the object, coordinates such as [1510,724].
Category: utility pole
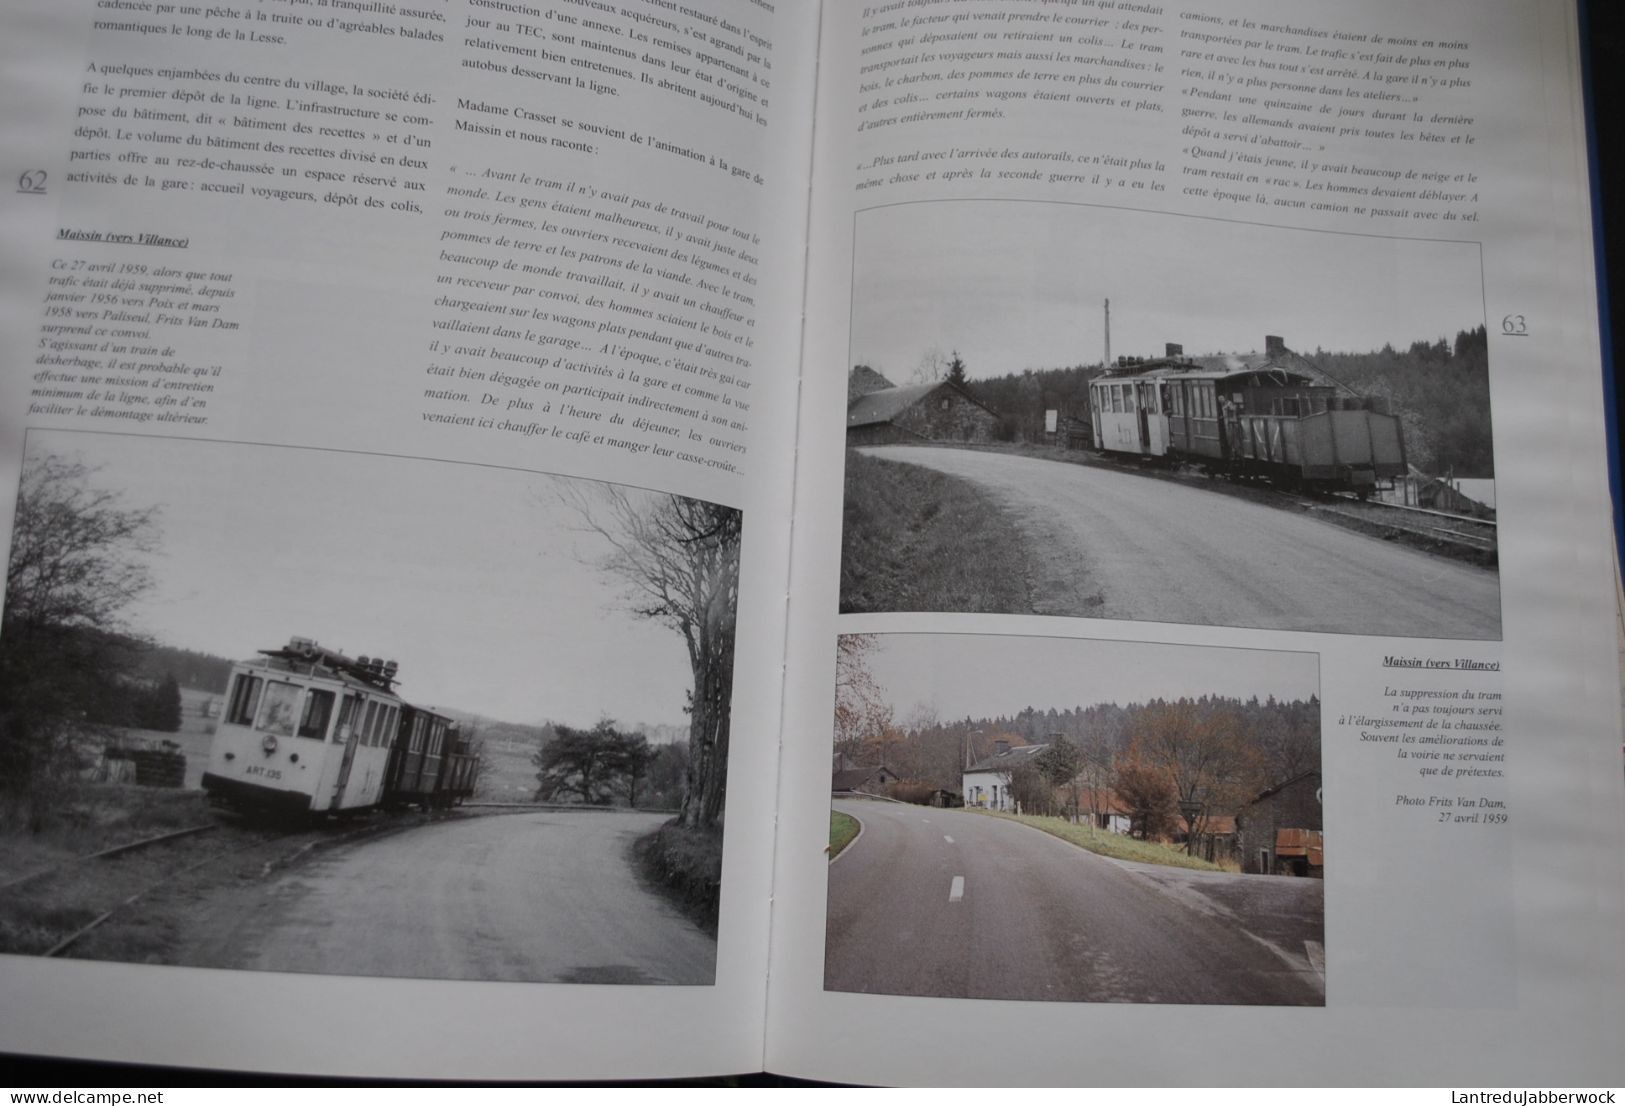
[1107,363]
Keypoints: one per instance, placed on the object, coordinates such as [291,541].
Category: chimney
[1000,748]
[1274,347]
[1173,349]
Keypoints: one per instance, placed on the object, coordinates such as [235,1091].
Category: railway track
[1455,535]
[167,878]
[59,910]
[1461,531]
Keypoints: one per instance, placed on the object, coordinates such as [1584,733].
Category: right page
[1202,593]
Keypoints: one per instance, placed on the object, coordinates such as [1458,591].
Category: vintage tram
[309,730]
[1247,418]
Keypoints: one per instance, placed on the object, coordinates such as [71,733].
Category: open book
[928,541]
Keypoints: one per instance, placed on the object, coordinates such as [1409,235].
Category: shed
[867,780]
[1279,832]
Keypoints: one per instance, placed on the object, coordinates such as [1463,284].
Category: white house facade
[986,784]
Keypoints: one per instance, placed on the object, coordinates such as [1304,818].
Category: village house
[1280,832]
[1102,808]
[880,413]
[986,783]
[863,780]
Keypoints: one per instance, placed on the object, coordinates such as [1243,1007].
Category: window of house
[245,700]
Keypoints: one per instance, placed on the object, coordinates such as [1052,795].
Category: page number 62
[1514,325]
[32,180]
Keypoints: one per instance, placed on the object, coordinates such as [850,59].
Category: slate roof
[1010,758]
[885,405]
[850,779]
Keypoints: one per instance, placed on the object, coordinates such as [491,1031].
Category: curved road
[546,897]
[1110,544]
[961,905]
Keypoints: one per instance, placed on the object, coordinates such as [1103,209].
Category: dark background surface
[1603,27]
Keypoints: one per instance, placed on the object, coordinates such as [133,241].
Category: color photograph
[1076,821]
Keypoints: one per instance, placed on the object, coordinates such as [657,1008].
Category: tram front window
[318,709]
[245,700]
[280,708]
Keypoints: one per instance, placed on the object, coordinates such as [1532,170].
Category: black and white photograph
[1076,821]
[1060,409]
[305,710]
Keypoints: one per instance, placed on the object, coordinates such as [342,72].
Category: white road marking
[957,891]
[948,839]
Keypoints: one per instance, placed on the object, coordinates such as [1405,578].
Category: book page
[1221,626]
[395,409]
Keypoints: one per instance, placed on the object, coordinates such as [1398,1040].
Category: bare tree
[931,367]
[1203,750]
[679,559]
[860,713]
[76,565]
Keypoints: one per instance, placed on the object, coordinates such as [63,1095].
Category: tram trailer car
[309,730]
[1260,421]
[430,765]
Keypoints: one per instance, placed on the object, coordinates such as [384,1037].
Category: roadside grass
[1114,845]
[917,540]
[78,818]
[843,828]
[686,865]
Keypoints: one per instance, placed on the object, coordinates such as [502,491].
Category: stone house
[865,779]
[880,413]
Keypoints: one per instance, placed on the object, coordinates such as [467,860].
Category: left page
[394,471]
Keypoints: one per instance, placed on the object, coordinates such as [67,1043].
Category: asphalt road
[546,897]
[1110,544]
[956,904]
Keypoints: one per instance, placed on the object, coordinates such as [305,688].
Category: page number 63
[1514,325]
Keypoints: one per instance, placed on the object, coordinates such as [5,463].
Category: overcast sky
[1022,285]
[986,675]
[471,578]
